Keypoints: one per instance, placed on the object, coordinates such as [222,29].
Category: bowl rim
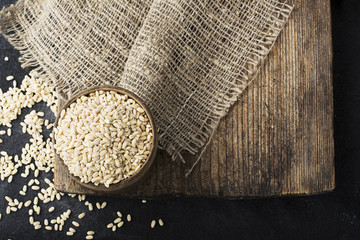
[139,176]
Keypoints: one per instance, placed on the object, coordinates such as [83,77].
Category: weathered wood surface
[277,139]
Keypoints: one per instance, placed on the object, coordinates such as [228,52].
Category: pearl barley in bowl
[105,136]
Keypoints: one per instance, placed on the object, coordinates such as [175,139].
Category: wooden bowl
[143,172]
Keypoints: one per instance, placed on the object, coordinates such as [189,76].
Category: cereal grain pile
[103,137]
[37,197]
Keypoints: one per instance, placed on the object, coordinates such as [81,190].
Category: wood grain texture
[277,139]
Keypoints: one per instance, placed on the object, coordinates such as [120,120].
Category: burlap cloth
[188,60]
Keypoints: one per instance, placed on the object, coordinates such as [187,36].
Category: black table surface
[334,215]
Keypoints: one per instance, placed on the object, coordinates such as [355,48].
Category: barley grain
[48,182]
[38,209]
[27,203]
[120,224]
[161,222]
[153,223]
[9,78]
[8,210]
[41,196]
[91,207]
[36,174]
[76,224]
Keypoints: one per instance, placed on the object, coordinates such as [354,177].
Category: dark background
[334,215]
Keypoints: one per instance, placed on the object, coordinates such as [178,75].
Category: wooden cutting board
[277,139]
